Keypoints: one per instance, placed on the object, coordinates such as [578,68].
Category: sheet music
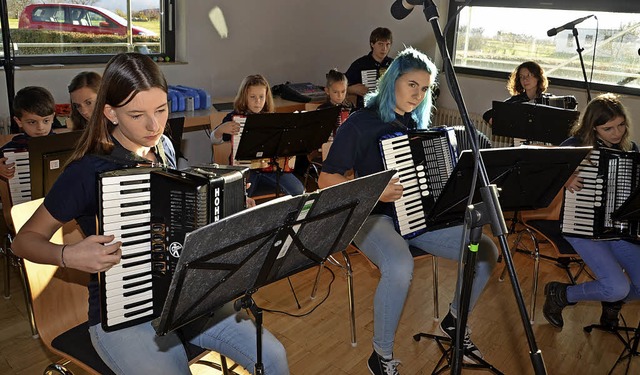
[235,141]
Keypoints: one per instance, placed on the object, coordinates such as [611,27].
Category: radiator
[450,117]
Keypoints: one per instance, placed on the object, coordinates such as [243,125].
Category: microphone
[401,8]
[567,26]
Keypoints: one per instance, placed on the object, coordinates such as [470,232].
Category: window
[492,37]
[90,31]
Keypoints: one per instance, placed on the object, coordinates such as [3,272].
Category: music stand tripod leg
[247,302]
[475,219]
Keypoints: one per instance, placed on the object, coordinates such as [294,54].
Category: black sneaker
[380,366]
[448,327]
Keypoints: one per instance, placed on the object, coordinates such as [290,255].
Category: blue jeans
[266,183]
[137,349]
[380,242]
[608,260]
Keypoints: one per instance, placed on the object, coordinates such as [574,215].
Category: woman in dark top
[615,263]
[126,129]
[526,83]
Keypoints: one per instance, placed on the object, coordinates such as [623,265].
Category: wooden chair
[543,225]
[60,304]
[10,259]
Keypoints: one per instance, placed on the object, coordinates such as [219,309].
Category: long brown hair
[87,79]
[125,76]
[242,97]
[599,111]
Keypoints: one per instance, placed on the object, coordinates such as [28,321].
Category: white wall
[286,40]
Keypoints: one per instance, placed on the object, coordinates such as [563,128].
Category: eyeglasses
[525,76]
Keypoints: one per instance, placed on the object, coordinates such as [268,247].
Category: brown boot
[556,300]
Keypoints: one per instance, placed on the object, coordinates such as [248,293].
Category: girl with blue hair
[402,102]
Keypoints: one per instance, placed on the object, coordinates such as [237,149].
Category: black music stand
[533,122]
[243,252]
[276,135]
[528,178]
[628,210]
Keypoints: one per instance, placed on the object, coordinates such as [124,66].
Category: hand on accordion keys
[393,191]
[96,253]
[7,170]
[575,183]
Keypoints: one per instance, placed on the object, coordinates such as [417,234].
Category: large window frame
[167,51]
[621,6]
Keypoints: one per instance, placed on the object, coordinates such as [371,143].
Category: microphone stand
[584,71]
[474,218]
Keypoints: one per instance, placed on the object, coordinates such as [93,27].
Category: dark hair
[335,76]
[34,99]
[125,76]
[599,111]
[83,79]
[380,33]
[240,102]
[515,87]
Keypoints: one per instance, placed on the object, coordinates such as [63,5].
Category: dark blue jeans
[265,183]
[616,267]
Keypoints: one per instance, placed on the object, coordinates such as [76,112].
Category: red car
[76,18]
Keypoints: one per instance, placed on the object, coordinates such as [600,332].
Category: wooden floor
[320,343]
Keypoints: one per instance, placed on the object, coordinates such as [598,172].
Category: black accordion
[424,161]
[150,211]
[609,177]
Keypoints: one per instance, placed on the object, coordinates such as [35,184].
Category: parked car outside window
[76,18]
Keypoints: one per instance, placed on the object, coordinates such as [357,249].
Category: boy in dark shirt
[34,112]
[372,65]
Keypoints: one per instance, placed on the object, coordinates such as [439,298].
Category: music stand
[276,135]
[243,252]
[629,209]
[529,177]
[533,122]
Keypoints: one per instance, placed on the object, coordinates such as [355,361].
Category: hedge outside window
[86,31]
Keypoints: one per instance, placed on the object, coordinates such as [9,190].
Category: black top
[74,195]
[366,62]
[356,146]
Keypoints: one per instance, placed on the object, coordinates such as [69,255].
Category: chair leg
[223,364]
[27,298]
[7,267]
[434,265]
[536,270]
[7,270]
[352,313]
[315,283]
